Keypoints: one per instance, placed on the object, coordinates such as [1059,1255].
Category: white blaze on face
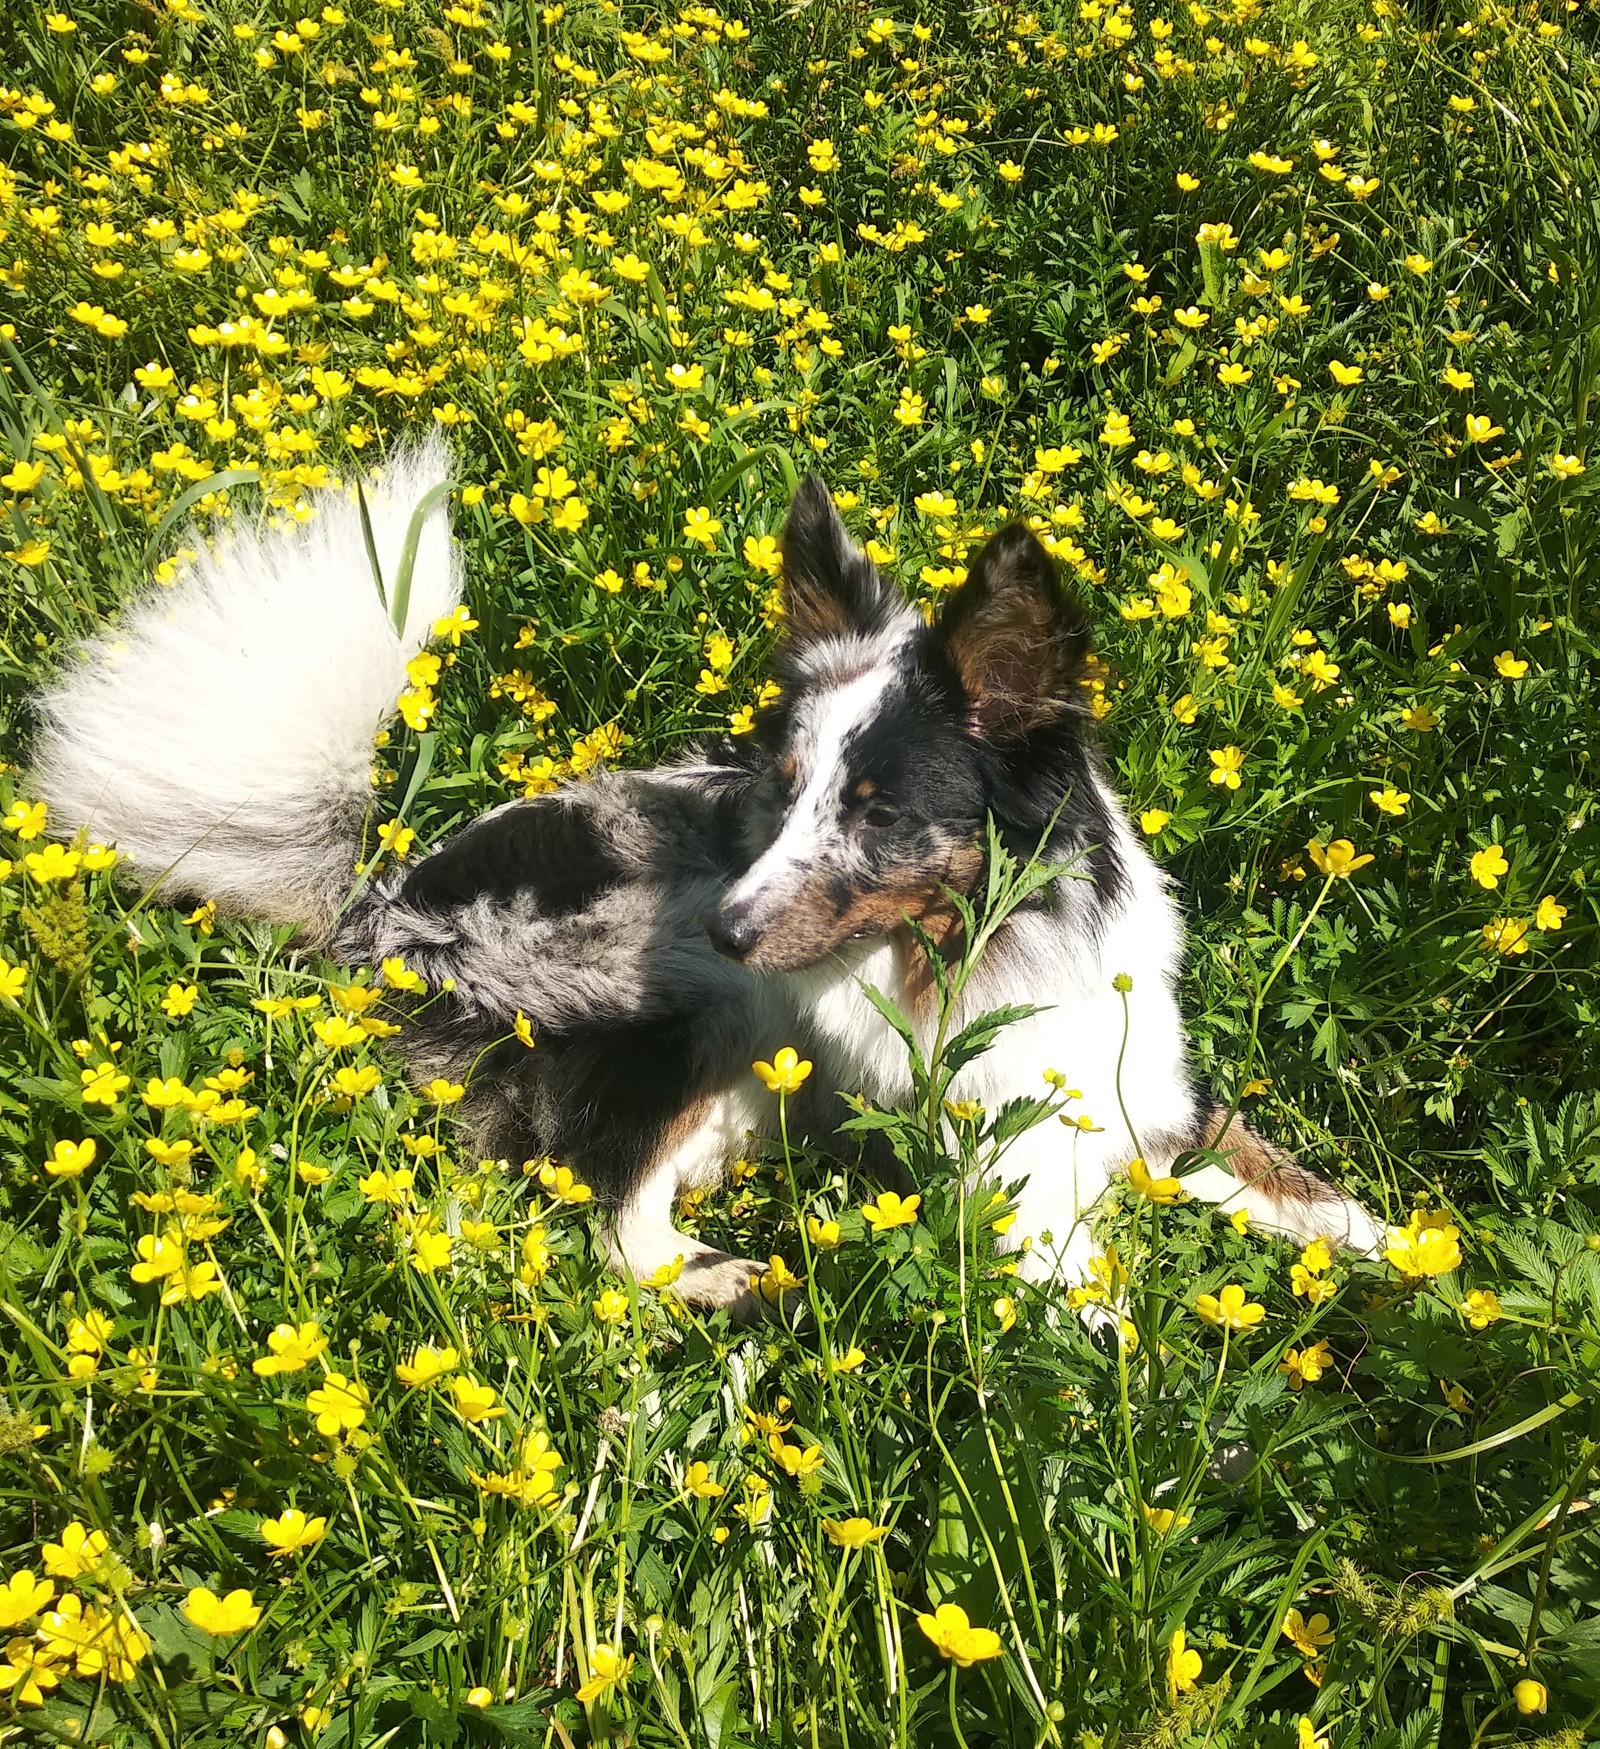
[826,723]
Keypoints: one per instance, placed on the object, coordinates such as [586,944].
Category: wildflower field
[1281,324]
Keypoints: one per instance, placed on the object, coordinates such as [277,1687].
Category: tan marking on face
[813,928]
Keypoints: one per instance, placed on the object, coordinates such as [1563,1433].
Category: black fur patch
[605,1100]
[548,850]
[831,588]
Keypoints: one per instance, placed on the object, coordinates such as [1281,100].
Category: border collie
[661,928]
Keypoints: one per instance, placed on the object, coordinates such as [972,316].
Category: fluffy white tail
[221,736]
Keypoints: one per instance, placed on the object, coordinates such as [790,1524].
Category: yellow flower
[426,1365]
[1531,1697]
[22,1596]
[775,1280]
[13,981]
[889,1210]
[180,1000]
[80,1551]
[955,1638]
[1345,375]
[71,1159]
[1488,866]
[291,1532]
[761,554]
[1161,1519]
[337,1033]
[1304,1366]
[431,1249]
[1481,428]
[853,1533]
[1154,821]
[1230,1309]
[1428,1244]
[607,1667]
[611,1307]
[786,1073]
[159,1257]
[1481,1307]
[794,1460]
[826,1235]
[1510,666]
[1307,1285]
[1550,915]
[26,819]
[101,1085]
[220,1616]
[1226,764]
[1506,935]
[1164,1190]
[664,1274]
[700,1482]
[292,1349]
[1566,467]
[475,1403]
[54,863]
[339,1404]
[443,1092]
[1389,800]
[1306,1735]
[701,526]
[1309,1638]
[1184,1666]
[27,1672]
[562,1182]
[1338,859]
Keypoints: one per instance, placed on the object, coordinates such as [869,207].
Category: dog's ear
[1017,637]
[830,587]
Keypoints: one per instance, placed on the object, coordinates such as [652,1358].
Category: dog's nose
[733,931]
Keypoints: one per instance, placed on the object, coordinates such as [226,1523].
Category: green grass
[947,310]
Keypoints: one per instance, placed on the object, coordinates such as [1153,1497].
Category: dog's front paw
[714,1281]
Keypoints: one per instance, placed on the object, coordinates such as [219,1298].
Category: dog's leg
[1063,1182]
[1279,1194]
[693,1153]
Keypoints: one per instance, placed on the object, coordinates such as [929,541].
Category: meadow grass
[1282,325]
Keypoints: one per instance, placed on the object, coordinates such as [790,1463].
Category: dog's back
[583,913]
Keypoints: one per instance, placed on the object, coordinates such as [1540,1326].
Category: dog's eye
[881,815]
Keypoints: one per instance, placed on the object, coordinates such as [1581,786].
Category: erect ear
[1018,639]
[830,587]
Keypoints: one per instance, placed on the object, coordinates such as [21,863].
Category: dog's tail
[1279,1194]
[221,735]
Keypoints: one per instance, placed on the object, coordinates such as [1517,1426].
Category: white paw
[713,1281]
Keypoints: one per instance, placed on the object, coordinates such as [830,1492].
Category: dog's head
[892,741]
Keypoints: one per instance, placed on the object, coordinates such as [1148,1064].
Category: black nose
[733,931]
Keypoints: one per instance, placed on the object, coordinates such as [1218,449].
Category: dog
[660,928]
